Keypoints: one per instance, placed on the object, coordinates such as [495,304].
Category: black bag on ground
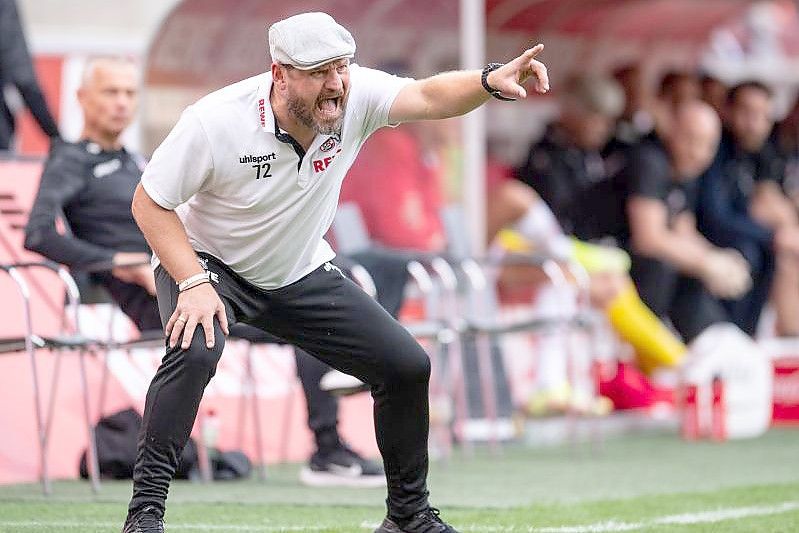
[116,437]
[231,465]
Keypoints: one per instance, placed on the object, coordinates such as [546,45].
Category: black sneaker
[426,521]
[342,467]
[149,519]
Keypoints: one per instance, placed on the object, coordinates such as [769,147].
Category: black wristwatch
[491,67]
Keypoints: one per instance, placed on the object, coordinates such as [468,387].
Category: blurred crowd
[692,178]
[678,197]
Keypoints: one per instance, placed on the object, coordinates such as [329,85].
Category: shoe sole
[313,478]
[388,527]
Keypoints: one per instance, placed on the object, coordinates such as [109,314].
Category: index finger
[534,51]
[523,61]
[530,53]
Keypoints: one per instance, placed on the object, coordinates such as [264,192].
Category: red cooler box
[784,354]
[786,390]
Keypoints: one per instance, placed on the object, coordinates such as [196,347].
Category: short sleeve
[647,174]
[181,165]
[374,92]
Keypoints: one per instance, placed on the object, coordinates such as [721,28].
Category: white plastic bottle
[210,429]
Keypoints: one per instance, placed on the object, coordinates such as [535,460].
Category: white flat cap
[309,40]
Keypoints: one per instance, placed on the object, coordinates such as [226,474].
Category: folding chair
[480,275]
[71,340]
[13,219]
[154,339]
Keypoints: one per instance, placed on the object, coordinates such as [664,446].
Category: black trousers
[670,294]
[326,315]
[389,271]
[142,308]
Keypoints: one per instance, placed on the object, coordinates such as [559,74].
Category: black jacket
[93,189]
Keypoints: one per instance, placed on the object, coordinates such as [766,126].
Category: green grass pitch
[640,483]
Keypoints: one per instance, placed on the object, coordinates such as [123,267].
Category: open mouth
[329,106]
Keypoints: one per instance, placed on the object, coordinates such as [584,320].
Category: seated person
[92,182]
[676,270]
[742,206]
[566,168]
[566,165]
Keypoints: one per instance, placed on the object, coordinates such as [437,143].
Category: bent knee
[410,367]
[199,357]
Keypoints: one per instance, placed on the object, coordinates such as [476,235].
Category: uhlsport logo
[257,158]
[261,164]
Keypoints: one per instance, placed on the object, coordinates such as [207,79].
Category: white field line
[612,526]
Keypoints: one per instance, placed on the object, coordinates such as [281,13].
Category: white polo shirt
[245,196]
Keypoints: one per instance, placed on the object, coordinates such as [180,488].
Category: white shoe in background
[341,384]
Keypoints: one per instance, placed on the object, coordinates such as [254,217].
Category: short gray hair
[93,62]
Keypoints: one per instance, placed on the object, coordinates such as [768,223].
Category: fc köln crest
[328,144]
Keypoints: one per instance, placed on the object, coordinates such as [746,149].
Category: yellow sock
[655,346]
[594,258]
[513,241]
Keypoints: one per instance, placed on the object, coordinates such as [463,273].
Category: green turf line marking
[612,526]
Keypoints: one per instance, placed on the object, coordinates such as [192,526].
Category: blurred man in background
[567,170]
[637,119]
[676,270]
[786,141]
[16,69]
[742,206]
[89,183]
[677,86]
[92,183]
[566,166]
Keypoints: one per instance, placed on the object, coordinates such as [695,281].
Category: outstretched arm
[451,94]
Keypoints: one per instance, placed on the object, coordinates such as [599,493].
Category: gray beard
[304,115]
